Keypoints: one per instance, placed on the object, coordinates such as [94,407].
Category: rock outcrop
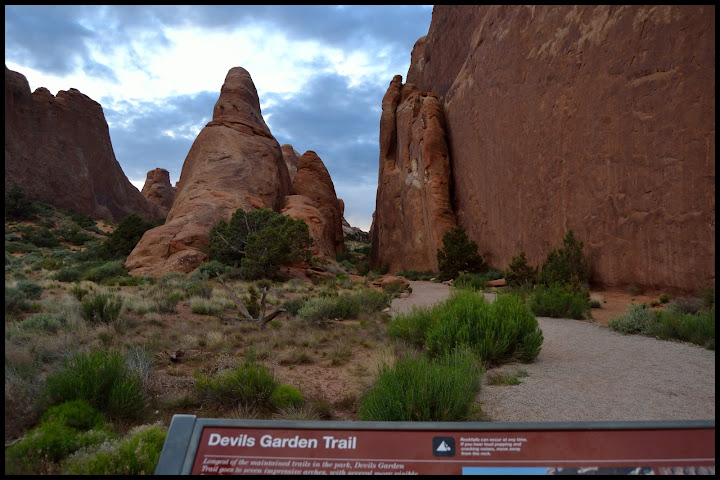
[350,232]
[290,155]
[598,119]
[158,189]
[235,162]
[316,202]
[58,149]
[413,208]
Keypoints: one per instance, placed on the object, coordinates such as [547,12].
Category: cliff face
[598,119]
[413,201]
[58,149]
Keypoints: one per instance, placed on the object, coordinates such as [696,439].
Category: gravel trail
[588,372]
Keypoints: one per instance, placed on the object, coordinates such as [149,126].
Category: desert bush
[520,273]
[414,275]
[260,242]
[19,247]
[15,300]
[47,322]
[62,432]
[497,332]
[420,389]
[559,301]
[344,306]
[294,305]
[68,274]
[17,205]
[286,396]
[636,319]
[40,237]
[459,254]
[30,289]
[205,306]
[566,265]
[664,298]
[476,281]
[102,378]
[685,304]
[209,269]
[250,384]
[166,302]
[111,269]
[101,308]
[137,453]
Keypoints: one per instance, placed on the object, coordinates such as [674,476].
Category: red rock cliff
[58,149]
[599,119]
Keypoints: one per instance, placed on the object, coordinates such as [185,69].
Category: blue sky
[321,72]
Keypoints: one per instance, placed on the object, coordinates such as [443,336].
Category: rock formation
[598,119]
[291,160]
[58,149]
[235,162]
[413,208]
[350,232]
[158,189]
[316,202]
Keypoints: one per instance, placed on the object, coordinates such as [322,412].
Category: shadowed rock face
[316,202]
[234,163]
[413,208]
[291,160]
[598,119]
[58,149]
[158,189]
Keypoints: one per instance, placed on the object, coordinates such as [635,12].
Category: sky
[320,71]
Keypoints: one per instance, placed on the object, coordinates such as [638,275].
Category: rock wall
[235,162]
[58,149]
[599,119]
[413,208]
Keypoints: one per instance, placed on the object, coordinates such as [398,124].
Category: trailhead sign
[199,446]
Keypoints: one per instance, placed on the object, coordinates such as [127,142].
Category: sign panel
[245,447]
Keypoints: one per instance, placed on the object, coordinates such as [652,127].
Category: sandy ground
[588,372]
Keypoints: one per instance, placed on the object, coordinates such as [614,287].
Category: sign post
[270,447]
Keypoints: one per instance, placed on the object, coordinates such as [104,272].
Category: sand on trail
[588,372]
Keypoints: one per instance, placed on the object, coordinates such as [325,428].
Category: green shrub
[707,294]
[49,442]
[664,298]
[344,306]
[30,289]
[497,332]
[68,274]
[285,396]
[260,242]
[77,414]
[102,378]
[209,269]
[115,268]
[40,237]
[15,300]
[637,319]
[199,288]
[559,301]
[698,328]
[519,273]
[414,275]
[101,308]
[250,384]
[419,389]
[19,247]
[47,322]
[136,454]
[293,306]
[204,306]
[566,265]
[459,254]
[17,205]
[476,281]
[166,302]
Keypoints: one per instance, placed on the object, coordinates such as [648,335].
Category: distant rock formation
[598,119]
[58,149]
[158,189]
[235,162]
[291,160]
[413,208]
[350,232]
[316,202]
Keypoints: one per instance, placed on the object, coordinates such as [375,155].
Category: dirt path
[588,372]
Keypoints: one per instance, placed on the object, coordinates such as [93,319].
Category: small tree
[519,273]
[260,242]
[17,205]
[566,265]
[125,237]
[459,254]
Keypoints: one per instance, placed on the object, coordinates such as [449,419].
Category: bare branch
[238,303]
[229,244]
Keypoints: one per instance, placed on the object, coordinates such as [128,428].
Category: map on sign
[247,447]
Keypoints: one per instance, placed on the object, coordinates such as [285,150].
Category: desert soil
[588,372]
